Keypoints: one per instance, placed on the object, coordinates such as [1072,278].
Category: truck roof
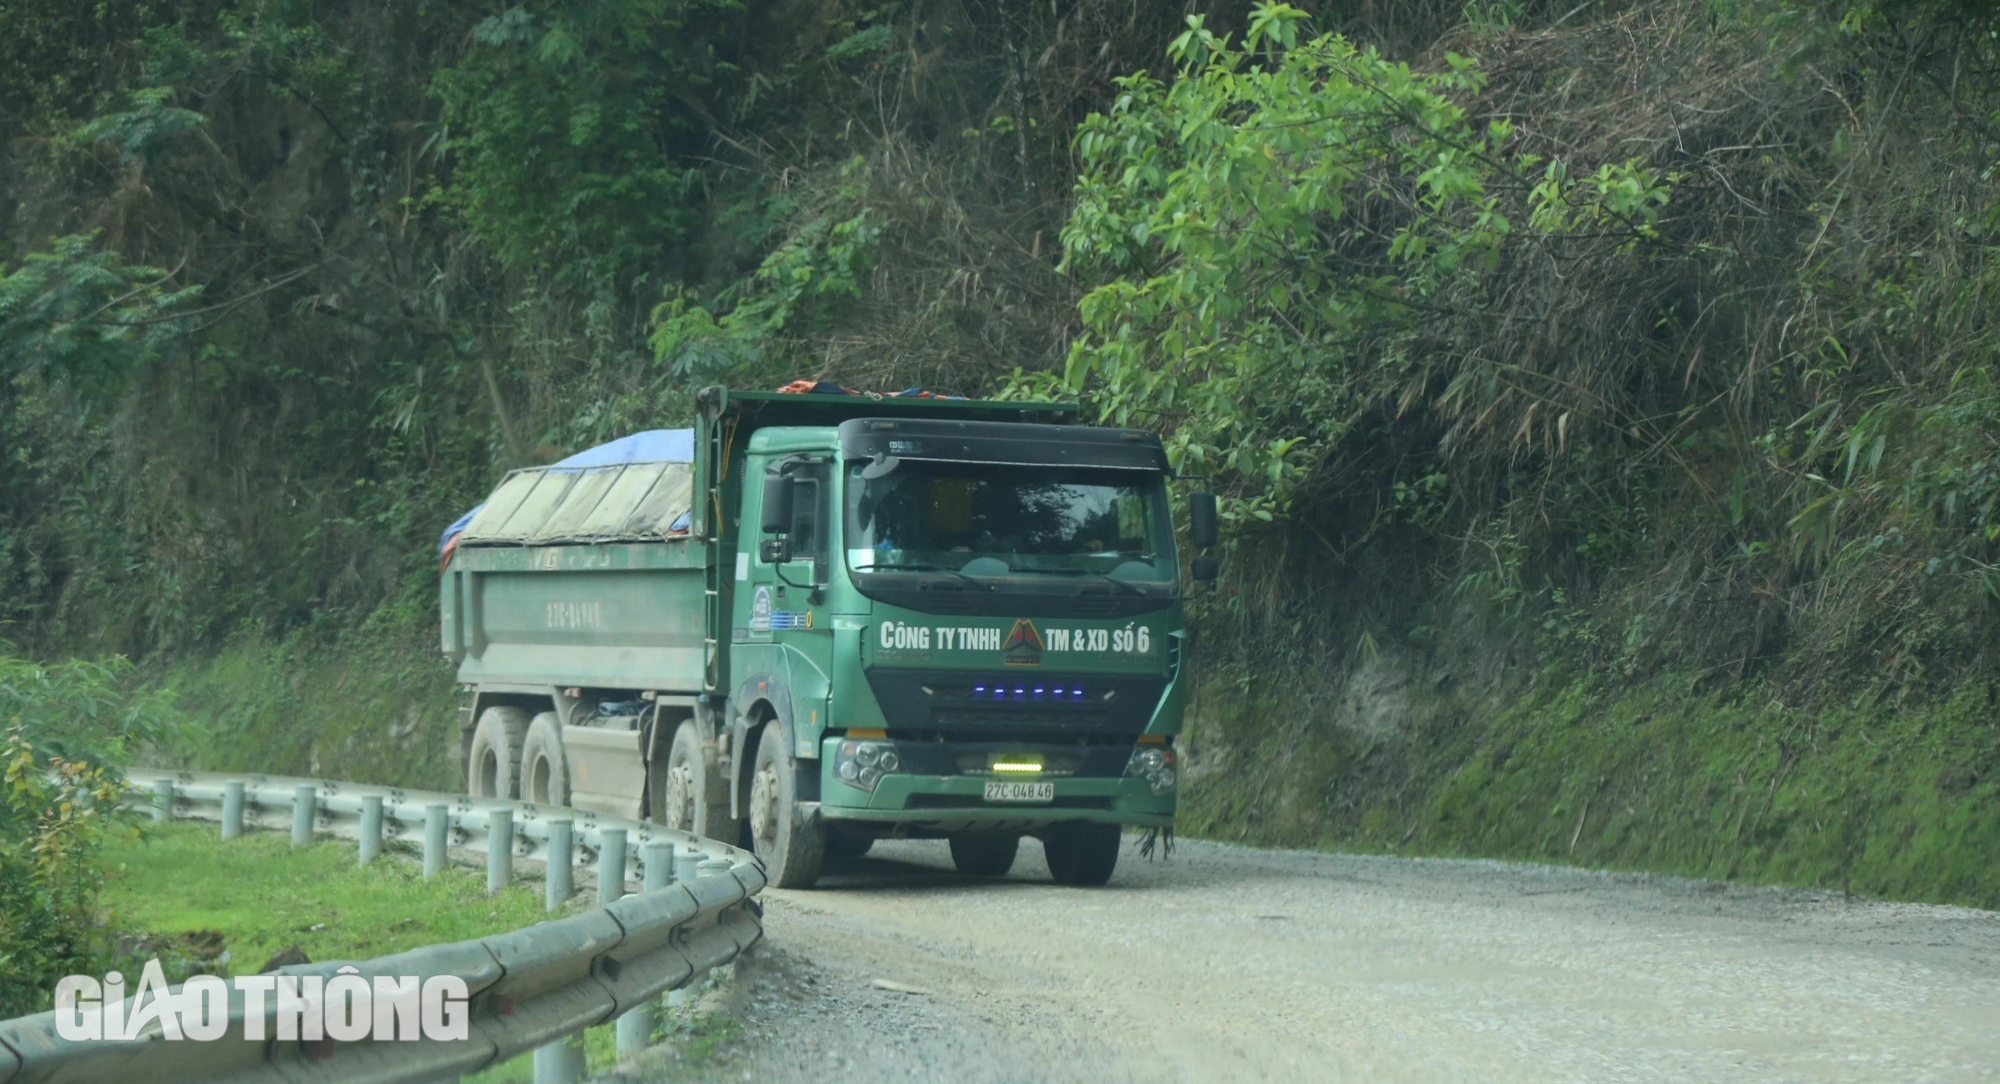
[819,408]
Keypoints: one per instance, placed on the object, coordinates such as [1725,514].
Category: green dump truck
[816,620]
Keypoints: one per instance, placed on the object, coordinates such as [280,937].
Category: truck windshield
[978,519]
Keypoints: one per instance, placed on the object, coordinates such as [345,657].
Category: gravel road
[1227,964]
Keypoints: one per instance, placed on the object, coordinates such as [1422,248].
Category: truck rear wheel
[1081,852]
[984,854]
[793,848]
[493,766]
[696,797]
[544,772]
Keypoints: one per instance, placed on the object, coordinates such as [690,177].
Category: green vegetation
[1861,797]
[1562,363]
[187,898]
[374,704]
[66,733]
[263,896]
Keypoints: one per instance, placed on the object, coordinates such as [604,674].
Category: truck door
[784,632]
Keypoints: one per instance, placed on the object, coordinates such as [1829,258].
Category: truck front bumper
[950,802]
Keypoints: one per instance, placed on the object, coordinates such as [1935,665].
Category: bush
[66,732]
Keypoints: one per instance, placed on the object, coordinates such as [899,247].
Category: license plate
[1020,792]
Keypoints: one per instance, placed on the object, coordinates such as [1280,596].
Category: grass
[264,706]
[264,896]
[376,705]
[261,896]
[1900,801]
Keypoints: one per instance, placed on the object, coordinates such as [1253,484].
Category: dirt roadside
[1227,964]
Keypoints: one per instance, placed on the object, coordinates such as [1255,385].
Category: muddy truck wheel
[793,848]
[493,766]
[1081,852]
[695,797]
[848,843]
[544,772]
[984,854]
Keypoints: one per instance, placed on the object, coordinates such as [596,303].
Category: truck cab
[935,619]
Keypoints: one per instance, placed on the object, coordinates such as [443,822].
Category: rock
[202,944]
[284,957]
[899,988]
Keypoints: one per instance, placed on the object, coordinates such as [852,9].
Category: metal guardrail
[530,989]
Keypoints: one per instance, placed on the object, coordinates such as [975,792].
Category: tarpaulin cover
[651,446]
[635,488]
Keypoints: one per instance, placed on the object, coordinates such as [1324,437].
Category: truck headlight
[863,763]
[1154,764]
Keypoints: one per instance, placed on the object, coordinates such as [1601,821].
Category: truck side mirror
[1204,569]
[777,515]
[1201,521]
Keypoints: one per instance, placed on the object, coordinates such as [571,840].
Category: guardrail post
[560,1062]
[371,827]
[659,859]
[232,809]
[635,1027]
[437,832]
[687,866]
[305,797]
[560,877]
[499,850]
[163,799]
[610,865]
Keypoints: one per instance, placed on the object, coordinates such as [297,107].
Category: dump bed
[610,569]
[582,573]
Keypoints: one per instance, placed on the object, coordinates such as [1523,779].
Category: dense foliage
[65,734]
[404,247]
[1292,215]
[1661,339]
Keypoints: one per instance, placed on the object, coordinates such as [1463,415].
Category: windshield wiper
[923,567]
[1106,577]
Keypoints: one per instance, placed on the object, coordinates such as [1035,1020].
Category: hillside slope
[1601,396]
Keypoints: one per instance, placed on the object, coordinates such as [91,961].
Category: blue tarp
[650,446]
[458,525]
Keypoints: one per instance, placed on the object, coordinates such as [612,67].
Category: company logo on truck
[1023,646]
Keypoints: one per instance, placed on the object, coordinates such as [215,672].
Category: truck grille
[1071,704]
[1092,604]
[1004,719]
[1014,737]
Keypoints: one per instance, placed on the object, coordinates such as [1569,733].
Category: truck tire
[1081,852]
[848,844]
[696,796]
[493,766]
[544,772]
[984,854]
[793,848]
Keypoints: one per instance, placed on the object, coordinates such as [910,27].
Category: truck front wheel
[696,796]
[984,854]
[493,766]
[793,849]
[1081,852]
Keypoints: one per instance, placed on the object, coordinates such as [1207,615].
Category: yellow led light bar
[1017,766]
[867,733]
